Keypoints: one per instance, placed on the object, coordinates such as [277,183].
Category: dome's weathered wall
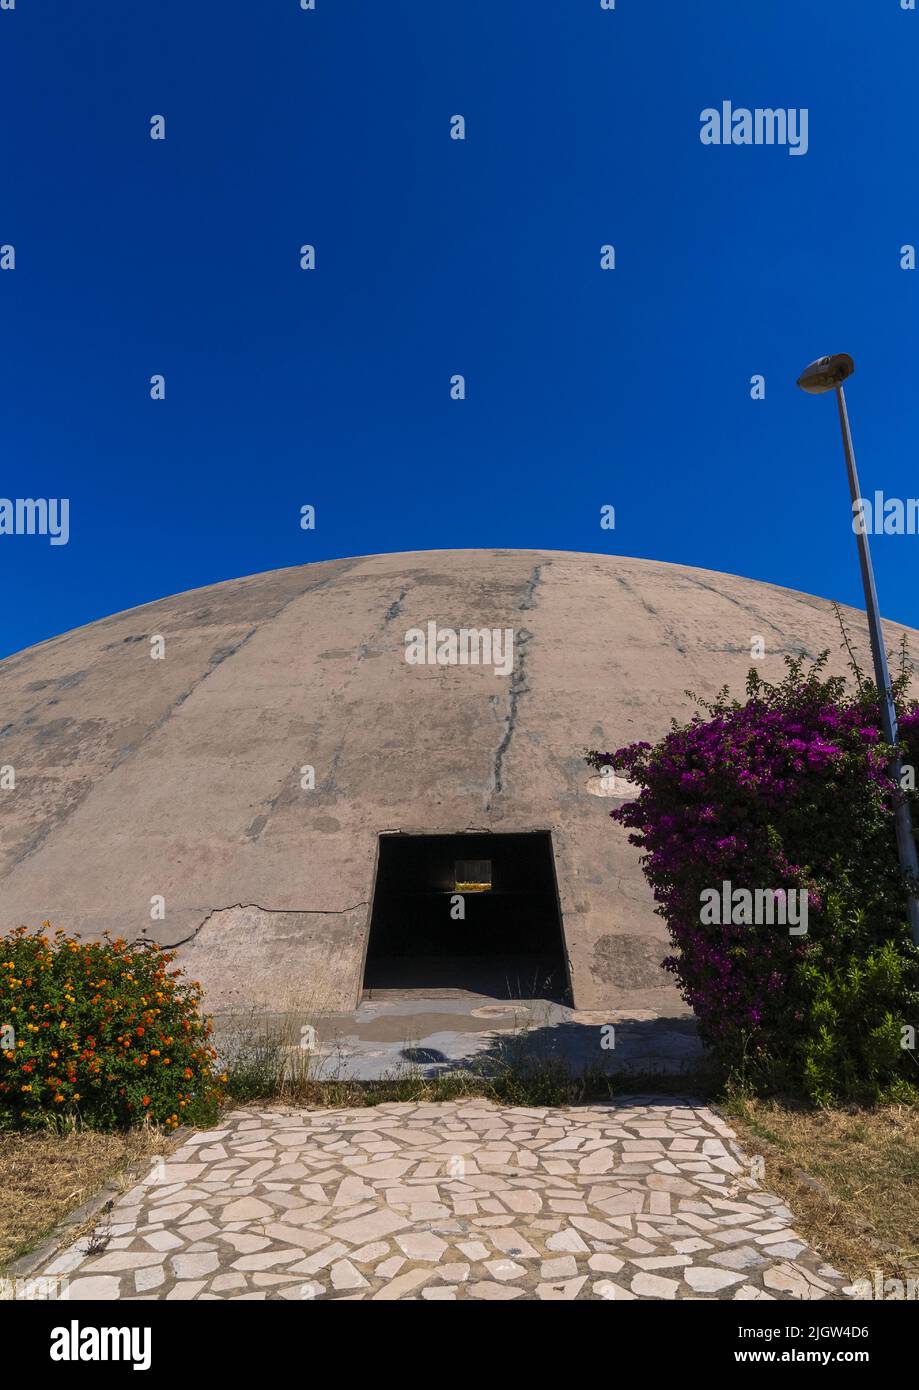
[181,778]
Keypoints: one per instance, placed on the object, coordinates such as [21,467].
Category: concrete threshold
[397,1032]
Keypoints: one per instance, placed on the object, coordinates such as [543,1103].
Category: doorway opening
[470,912]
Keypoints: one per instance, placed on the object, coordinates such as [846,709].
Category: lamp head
[826,373]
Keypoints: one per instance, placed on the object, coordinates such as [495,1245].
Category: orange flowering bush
[100,1031]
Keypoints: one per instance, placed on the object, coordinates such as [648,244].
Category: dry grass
[851,1176]
[43,1176]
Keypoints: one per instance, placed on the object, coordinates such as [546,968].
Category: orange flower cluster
[102,1030]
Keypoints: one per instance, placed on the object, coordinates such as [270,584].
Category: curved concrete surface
[180,779]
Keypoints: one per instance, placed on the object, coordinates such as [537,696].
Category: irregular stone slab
[792,1279]
[653,1286]
[488,1289]
[163,1240]
[268,1259]
[562,1291]
[246,1209]
[505,1269]
[100,1287]
[345,1276]
[370,1227]
[567,1240]
[705,1279]
[421,1245]
[122,1260]
[403,1284]
[194,1266]
[608,1289]
[146,1279]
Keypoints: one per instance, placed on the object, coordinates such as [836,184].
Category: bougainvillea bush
[100,1033]
[791,790]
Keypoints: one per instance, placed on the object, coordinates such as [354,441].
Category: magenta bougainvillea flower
[789,791]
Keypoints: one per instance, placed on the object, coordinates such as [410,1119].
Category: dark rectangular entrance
[468,912]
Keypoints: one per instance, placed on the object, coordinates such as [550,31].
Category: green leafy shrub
[101,1033]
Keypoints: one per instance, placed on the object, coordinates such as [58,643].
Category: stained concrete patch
[627,962]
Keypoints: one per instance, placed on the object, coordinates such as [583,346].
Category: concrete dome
[167,798]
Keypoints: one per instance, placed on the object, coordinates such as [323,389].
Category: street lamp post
[828,374]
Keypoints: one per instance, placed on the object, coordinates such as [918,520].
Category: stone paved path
[637,1199]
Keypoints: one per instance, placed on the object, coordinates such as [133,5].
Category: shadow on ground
[655,1047]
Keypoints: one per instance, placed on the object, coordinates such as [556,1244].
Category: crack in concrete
[535,579]
[395,608]
[519,686]
[649,608]
[738,603]
[298,911]
[425,830]
[392,612]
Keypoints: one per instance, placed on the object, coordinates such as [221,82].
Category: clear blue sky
[435,257]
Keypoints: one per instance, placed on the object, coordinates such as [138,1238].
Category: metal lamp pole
[827,374]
